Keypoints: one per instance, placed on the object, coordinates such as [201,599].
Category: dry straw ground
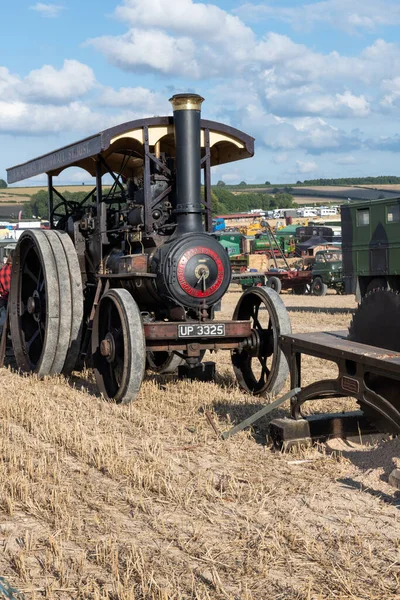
[143,502]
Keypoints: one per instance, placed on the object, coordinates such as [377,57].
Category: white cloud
[7,81]
[391,88]
[285,134]
[48,84]
[136,98]
[281,158]
[306,166]
[145,50]
[180,38]
[48,10]
[313,100]
[207,22]
[34,119]
[349,159]
[350,15]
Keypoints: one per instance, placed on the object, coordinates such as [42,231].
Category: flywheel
[376,322]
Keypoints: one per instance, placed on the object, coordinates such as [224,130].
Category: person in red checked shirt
[5,281]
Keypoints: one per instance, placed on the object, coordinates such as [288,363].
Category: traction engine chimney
[186,108]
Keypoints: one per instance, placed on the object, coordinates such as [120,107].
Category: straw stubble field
[143,502]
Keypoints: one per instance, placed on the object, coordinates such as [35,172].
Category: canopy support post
[51,201]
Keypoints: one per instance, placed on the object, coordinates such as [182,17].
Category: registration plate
[201,330]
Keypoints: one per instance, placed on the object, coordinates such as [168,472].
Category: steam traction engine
[130,277]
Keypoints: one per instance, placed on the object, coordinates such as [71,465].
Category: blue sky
[316,83]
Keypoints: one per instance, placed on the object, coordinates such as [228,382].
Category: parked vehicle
[327,272]
[371,252]
[264,245]
[307,213]
[297,280]
[218,225]
[327,212]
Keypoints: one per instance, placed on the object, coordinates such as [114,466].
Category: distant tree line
[224,202]
[3,184]
[38,205]
[381,179]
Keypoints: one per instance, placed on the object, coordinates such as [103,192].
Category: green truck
[371,246]
[327,272]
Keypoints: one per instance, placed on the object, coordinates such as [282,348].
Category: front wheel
[118,347]
[262,367]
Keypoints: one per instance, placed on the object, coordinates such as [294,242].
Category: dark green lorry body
[371,245]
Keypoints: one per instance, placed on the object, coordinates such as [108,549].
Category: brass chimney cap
[186,102]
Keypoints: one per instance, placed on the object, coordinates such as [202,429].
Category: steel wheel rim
[266,340]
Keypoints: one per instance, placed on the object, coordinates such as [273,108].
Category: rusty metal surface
[367,373]
[334,345]
[134,263]
[178,346]
[127,275]
[286,433]
[169,331]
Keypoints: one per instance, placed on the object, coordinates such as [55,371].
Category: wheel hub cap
[107,347]
[33,305]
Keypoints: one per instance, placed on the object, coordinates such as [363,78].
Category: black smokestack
[187,149]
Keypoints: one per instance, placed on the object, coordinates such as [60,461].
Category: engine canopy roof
[123,148]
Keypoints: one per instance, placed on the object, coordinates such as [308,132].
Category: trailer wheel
[46,303]
[262,367]
[318,287]
[118,347]
[275,284]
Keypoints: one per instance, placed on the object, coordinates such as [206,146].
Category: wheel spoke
[31,275]
[263,362]
[32,339]
[39,277]
[255,317]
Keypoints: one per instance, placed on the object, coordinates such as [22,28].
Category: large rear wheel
[262,367]
[118,347]
[46,303]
